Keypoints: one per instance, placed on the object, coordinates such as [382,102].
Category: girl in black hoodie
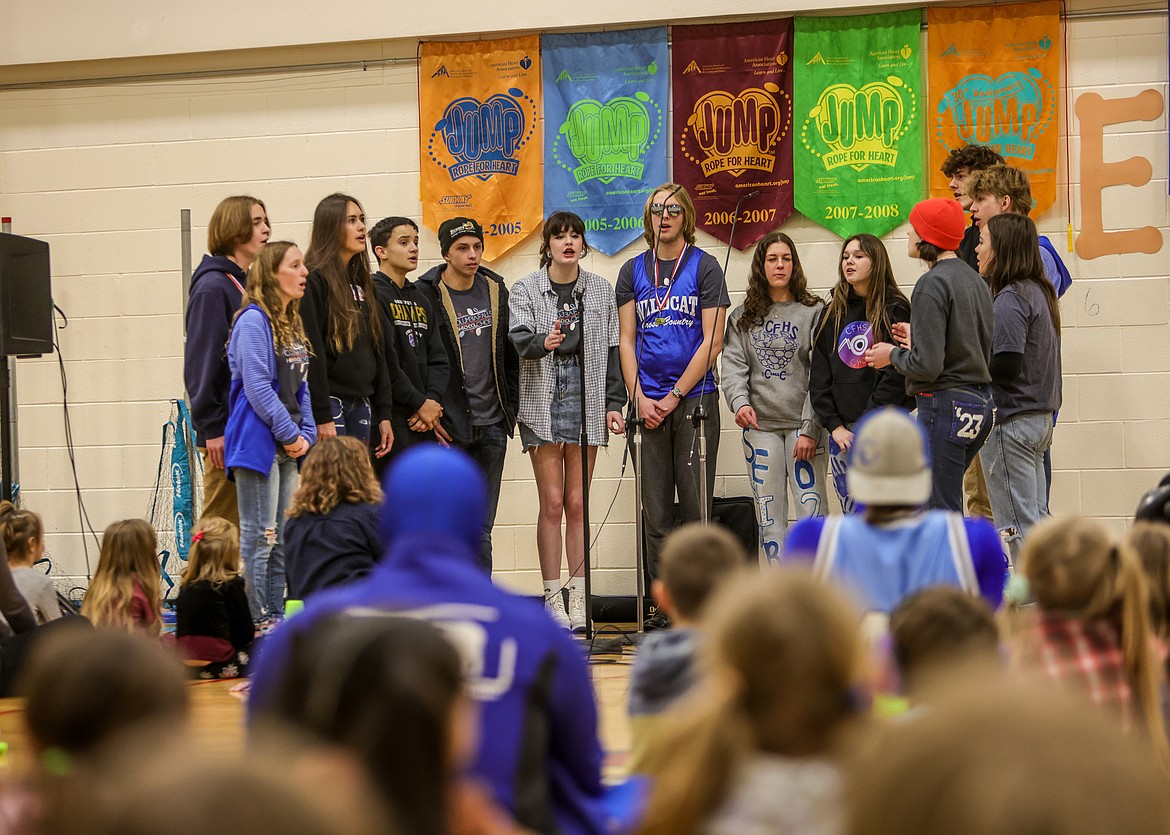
[864,305]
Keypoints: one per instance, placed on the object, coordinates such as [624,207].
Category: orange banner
[480,154]
[994,77]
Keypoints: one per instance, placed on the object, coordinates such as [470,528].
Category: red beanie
[939,221]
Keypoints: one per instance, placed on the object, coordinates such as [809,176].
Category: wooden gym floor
[217,718]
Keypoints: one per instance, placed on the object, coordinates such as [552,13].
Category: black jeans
[488,446]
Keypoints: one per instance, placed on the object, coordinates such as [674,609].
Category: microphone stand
[698,417]
[579,292]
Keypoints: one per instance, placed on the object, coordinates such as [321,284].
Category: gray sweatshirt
[950,330]
[767,368]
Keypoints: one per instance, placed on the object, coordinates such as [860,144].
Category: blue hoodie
[538,747]
[213,300]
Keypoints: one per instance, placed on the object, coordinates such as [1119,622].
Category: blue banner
[606,96]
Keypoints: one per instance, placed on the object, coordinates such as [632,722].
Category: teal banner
[605,104]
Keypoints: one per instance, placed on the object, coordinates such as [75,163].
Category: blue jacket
[257,419]
[214,298]
[538,745]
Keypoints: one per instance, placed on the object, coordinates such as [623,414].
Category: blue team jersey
[670,325]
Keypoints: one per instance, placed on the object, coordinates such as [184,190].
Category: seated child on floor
[126,590]
[213,627]
[24,537]
[695,560]
[331,536]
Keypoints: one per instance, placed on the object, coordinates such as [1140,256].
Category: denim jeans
[772,472]
[839,462]
[1013,460]
[352,417]
[263,499]
[488,446]
[956,422]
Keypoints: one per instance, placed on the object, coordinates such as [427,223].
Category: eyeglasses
[674,209]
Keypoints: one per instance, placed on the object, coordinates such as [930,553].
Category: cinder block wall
[103,172]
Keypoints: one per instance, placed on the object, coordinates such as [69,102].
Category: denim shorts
[565,409]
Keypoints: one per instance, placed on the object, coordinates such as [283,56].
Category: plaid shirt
[1086,655]
[533,304]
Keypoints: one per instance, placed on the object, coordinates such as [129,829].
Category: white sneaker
[555,606]
[577,611]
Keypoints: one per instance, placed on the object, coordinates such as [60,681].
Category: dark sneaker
[658,620]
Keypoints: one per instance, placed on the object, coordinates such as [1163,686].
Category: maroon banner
[732,92]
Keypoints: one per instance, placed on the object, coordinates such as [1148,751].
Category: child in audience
[1151,542]
[696,559]
[936,628]
[24,537]
[213,626]
[391,691]
[753,750]
[125,592]
[1004,759]
[331,536]
[1091,629]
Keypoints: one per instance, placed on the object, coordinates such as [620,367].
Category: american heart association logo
[1008,113]
[735,133]
[483,138]
[860,127]
[609,140]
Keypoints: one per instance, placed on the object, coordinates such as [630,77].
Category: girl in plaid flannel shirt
[545,308]
[1091,628]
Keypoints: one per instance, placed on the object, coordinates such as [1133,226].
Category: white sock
[574,585]
[552,587]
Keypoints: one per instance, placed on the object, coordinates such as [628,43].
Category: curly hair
[882,293]
[262,290]
[972,157]
[758,299]
[336,470]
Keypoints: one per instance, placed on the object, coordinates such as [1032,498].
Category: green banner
[858,155]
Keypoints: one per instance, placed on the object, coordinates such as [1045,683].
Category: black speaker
[26,299]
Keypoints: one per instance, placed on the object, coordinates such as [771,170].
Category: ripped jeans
[263,499]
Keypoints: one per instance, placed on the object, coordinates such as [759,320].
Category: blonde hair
[781,658]
[262,290]
[129,554]
[215,553]
[19,528]
[1075,566]
[684,199]
[336,470]
[1151,542]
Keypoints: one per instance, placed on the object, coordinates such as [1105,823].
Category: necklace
[660,301]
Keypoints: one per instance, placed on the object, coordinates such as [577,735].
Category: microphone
[734,223]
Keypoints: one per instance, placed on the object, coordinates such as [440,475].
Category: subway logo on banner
[735,133]
[1008,113]
[484,138]
[860,127]
[610,140]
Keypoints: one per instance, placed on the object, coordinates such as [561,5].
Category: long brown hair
[782,656]
[215,553]
[263,290]
[1075,566]
[324,256]
[19,528]
[129,553]
[882,292]
[758,299]
[336,470]
[1016,258]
